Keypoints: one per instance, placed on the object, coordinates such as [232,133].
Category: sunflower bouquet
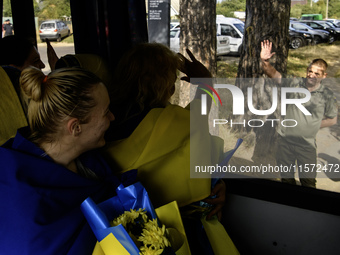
[149,237]
[121,226]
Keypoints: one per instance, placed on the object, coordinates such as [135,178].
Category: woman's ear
[73,127]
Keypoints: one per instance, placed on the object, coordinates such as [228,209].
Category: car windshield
[240,27]
[330,24]
[300,26]
[47,25]
[172,25]
[173,33]
[326,24]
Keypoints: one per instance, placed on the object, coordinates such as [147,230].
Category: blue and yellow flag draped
[41,200]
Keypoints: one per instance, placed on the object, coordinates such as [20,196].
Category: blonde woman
[51,168]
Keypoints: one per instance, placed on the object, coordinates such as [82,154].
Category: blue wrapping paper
[99,216]
[227,156]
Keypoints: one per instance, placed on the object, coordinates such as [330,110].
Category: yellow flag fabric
[12,116]
[170,216]
[111,246]
[160,149]
[218,237]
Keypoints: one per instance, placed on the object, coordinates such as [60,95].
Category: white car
[174,25]
[222,43]
[53,30]
[233,29]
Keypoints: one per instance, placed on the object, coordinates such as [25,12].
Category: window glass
[240,27]
[173,33]
[318,26]
[226,29]
[330,24]
[47,25]
[299,26]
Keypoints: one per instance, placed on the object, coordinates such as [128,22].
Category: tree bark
[198,34]
[265,20]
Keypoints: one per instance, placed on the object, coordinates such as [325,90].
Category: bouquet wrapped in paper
[128,224]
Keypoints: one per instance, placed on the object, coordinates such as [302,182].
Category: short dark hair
[319,62]
[15,50]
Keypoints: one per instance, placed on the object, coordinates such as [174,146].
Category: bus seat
[12,115]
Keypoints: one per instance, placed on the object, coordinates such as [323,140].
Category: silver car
[53,30]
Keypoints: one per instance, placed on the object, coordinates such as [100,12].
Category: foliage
[334,9]
[54,9]
[317,7]
[7,10]
[228,7]
[45,9]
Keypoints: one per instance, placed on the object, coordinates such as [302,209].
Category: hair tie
[45,79]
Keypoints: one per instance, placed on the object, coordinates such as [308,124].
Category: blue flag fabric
[40,200]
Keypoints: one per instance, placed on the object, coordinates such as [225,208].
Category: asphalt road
[60,48]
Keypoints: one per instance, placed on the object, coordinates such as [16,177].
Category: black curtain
[1,9]
[23,18]
[108,28]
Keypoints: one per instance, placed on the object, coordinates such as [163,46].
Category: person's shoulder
[328,93]
[292,81]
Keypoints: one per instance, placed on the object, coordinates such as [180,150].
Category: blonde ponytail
[65,93]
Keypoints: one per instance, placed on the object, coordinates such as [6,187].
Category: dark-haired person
[149,133]
[7,28]
[298,144]
[49,169]
[162,140]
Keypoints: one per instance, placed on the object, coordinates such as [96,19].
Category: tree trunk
[198,34]
[265,20]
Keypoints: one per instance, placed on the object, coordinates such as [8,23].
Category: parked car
[325,25]
[222,42]
[298,39]
[53,30]
[334,21]
[311,17]
[174,25]
[233,28]
[319,35]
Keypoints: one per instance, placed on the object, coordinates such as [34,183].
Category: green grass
[68,39]
[225,70]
